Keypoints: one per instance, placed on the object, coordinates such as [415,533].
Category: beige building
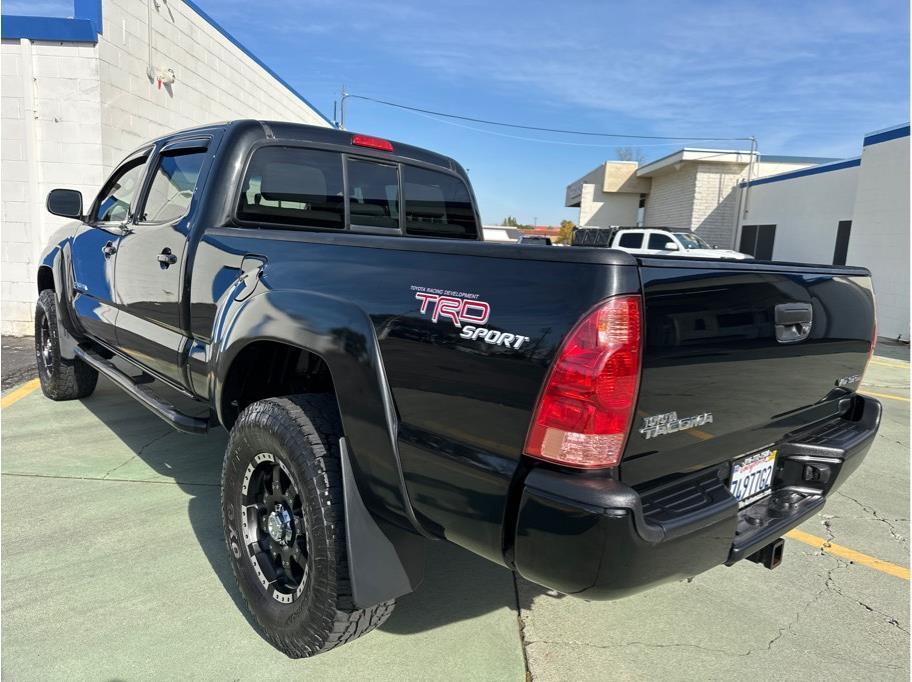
[695,188]
[81,92]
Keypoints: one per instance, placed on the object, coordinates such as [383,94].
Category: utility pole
[342,109]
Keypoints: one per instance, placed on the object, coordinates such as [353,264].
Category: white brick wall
[215,81]
[715,207]
[51,133]
[880,231]
[670,202]
[70,112]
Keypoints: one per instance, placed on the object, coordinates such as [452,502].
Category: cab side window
[173,186]
[657,240]
[116,198]
[631,240]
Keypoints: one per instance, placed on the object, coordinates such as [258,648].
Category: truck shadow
[458,585]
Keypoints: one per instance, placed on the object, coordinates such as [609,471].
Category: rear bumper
[600,539]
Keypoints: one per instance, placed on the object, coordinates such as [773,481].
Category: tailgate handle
[793,322]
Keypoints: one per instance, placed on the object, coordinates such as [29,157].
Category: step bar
[138,389]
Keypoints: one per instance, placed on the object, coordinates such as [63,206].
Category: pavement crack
[138,452]
[873,512]
[110,480]
[522,629]
[651,645]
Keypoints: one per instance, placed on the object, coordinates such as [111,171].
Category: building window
[757,240]
[842,242]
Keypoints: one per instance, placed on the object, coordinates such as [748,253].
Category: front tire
[282,509]
[61,379]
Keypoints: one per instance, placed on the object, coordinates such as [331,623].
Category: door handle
[166,258]
[793,322]
[109,249]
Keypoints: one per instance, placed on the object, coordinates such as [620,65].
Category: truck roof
[300,132]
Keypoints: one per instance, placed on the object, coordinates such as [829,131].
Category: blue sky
[807,78]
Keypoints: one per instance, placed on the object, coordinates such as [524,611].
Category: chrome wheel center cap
[279,525]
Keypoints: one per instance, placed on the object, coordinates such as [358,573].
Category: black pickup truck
[597,422]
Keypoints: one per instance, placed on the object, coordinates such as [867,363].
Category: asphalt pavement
[114,567]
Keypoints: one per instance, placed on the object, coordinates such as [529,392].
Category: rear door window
[437,205]
[631,240]
[294,186]
[373,194]
[173,186]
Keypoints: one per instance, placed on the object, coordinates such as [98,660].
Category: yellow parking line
[19,393]
[886,395]
[849,554]
[896,365]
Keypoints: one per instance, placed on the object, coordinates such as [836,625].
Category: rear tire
[282,509]
[61,379]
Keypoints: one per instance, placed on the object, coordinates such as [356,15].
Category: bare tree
[630,154]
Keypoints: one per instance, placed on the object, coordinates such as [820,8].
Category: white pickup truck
[654,241]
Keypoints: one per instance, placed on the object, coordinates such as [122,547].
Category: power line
[568,143]
[587,133]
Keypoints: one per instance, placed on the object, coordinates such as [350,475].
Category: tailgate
[727,368]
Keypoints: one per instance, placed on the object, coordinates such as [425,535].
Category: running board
[141,392]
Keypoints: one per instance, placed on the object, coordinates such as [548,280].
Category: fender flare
[54,258]
[343,336]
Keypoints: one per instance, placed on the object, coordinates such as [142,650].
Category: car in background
[653,241]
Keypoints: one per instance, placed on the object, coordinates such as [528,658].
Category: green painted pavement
[114,566]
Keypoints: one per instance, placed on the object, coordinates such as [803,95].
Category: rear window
[437,205]
[373,194]
[631,240]
[294,186]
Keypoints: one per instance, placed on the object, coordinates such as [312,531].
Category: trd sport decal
[465,312]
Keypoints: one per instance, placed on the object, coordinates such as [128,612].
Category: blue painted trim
[91,10]
[84,27]
[212,22]
[48,28]
[777,158]
[814,170]
[887,135]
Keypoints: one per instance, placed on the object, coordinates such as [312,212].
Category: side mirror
[672,246]
[65,202]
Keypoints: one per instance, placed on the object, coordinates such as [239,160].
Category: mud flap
[384,563]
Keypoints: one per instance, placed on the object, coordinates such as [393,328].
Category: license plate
[752,476]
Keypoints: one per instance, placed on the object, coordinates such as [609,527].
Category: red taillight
[585,410]
[372,142]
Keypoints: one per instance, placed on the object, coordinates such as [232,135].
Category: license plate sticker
[752,476]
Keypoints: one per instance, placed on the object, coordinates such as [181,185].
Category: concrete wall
[603,209]
[72,111]
[51,137]
[880,231]
[806,212]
